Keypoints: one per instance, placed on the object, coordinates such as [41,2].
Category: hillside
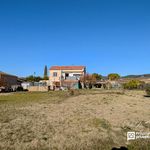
[137,76]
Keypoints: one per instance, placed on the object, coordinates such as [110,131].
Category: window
[54,74]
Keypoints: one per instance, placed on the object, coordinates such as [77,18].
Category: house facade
[66,76]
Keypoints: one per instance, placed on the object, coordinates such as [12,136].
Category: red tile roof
[67,67]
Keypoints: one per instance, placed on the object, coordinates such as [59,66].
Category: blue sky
[105,35]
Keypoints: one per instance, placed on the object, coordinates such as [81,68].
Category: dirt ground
[88,119]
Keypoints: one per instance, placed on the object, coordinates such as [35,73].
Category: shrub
[80,85]
[19,88]
[73,92]
[148,90]
[25,90]
[134,84]
[90,85]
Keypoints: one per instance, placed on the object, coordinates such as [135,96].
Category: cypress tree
[45,73]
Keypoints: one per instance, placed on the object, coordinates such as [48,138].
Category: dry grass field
[80,120]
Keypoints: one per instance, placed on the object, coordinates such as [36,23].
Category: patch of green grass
[97,123]
[56,96]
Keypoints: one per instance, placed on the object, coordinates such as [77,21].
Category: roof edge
[67,67]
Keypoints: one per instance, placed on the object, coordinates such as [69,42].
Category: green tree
[113,76]
[97,76]
[32,78]
[45,73]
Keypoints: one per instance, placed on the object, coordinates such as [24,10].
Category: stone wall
[38,88]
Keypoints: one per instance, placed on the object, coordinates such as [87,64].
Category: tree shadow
[121,148]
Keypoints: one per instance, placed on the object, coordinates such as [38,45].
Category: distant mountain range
[137,76]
